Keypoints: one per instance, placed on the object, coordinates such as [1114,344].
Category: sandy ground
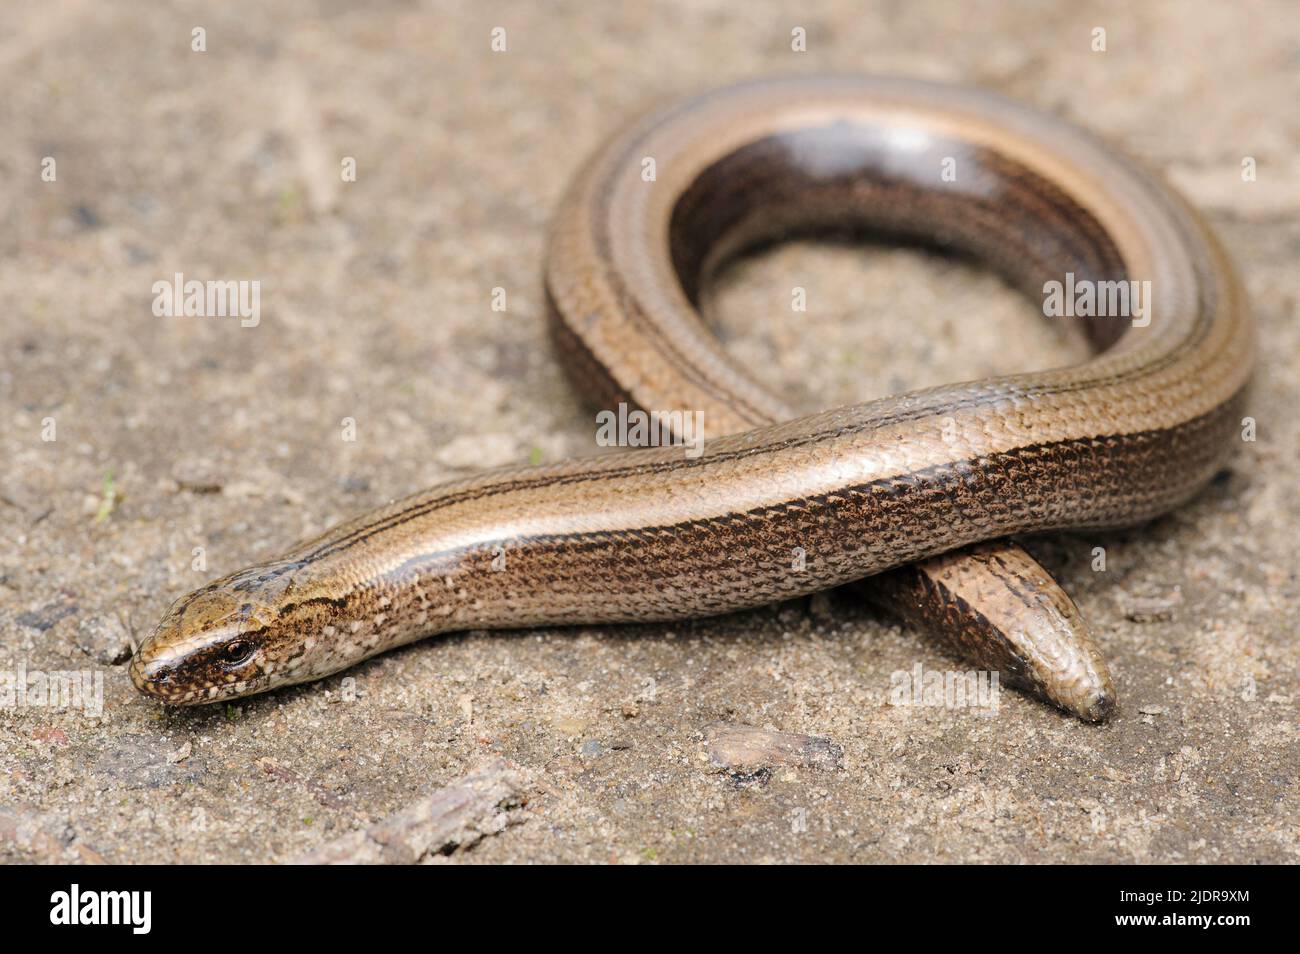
[177,434]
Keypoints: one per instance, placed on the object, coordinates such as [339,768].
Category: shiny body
[656,534]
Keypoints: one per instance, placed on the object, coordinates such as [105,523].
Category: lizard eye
[237,650]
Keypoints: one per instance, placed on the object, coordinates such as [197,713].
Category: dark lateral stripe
[966,470]
[336,602]
[942,480]
[415,511]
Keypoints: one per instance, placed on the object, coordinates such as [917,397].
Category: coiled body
[776,507]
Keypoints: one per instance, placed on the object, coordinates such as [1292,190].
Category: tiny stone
[355,485]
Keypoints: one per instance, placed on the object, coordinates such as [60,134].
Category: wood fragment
[748,749]
[485,801]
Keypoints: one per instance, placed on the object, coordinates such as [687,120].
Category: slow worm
[777,505]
